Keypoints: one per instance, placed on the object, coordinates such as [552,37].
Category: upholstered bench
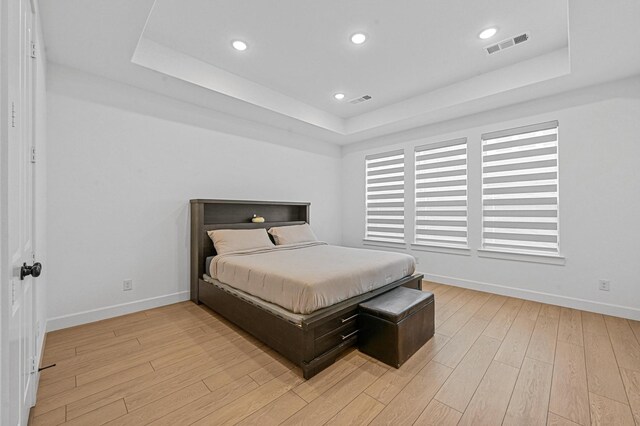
[394,325]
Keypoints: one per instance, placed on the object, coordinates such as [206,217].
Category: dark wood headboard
[232,214]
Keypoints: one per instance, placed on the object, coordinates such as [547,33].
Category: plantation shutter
[520,189]
[441,194]
[385,197]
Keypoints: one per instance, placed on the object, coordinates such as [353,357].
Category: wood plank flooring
[494,360]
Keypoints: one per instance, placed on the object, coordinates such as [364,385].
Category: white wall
[123,164]
[122,167]
[599,146]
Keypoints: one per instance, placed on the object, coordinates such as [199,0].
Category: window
[520,190]
[441,194]
[385,197]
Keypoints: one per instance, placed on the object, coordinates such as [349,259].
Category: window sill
[461,251]
[388,244]
[549,259]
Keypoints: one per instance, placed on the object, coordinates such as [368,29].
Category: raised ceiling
[302,49]
[422,62]
[300,53]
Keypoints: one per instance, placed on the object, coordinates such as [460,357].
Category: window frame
[443,246]
[538,256]
[381,241]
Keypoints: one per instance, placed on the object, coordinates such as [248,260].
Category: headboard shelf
[250,225]
[207,215]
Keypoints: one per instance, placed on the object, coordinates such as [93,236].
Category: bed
[304,312]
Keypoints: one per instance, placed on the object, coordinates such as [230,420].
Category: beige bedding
[267,306]
[305,277]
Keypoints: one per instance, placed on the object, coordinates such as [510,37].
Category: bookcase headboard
[233,214]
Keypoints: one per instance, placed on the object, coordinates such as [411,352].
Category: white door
[21,368]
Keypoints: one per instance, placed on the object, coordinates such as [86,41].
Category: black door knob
[34,270]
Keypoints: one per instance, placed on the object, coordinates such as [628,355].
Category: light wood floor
[493,360]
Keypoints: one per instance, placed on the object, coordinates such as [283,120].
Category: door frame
[7,271]
[4,261]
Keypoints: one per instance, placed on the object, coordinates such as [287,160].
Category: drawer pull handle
[348,335]
[348,319]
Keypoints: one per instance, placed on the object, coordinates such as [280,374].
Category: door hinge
[33,156]
[13,292]
[13,114]
[34,369]
[33,50]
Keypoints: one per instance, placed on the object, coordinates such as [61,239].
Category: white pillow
[293,234]
[228,240]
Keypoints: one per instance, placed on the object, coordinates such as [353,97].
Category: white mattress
[303,278]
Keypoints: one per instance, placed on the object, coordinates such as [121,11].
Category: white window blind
[520,189]
[441,194]
[385,197]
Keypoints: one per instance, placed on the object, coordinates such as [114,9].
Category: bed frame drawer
[327,342]
[337,322]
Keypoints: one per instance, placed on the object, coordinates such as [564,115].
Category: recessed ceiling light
[358,38]
[239,45]
[339,96]
[488,33]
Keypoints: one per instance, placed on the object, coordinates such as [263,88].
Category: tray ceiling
[300,54]
[422,62]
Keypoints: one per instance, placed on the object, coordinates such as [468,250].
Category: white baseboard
[85,317]
[537,296]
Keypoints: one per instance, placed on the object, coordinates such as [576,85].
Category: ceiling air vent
[493,49]
[505,44]
[360,99]
[521,38]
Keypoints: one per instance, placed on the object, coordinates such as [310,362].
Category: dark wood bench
[394,325]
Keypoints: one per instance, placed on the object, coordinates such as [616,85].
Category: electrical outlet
[127,285]
[603,285]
